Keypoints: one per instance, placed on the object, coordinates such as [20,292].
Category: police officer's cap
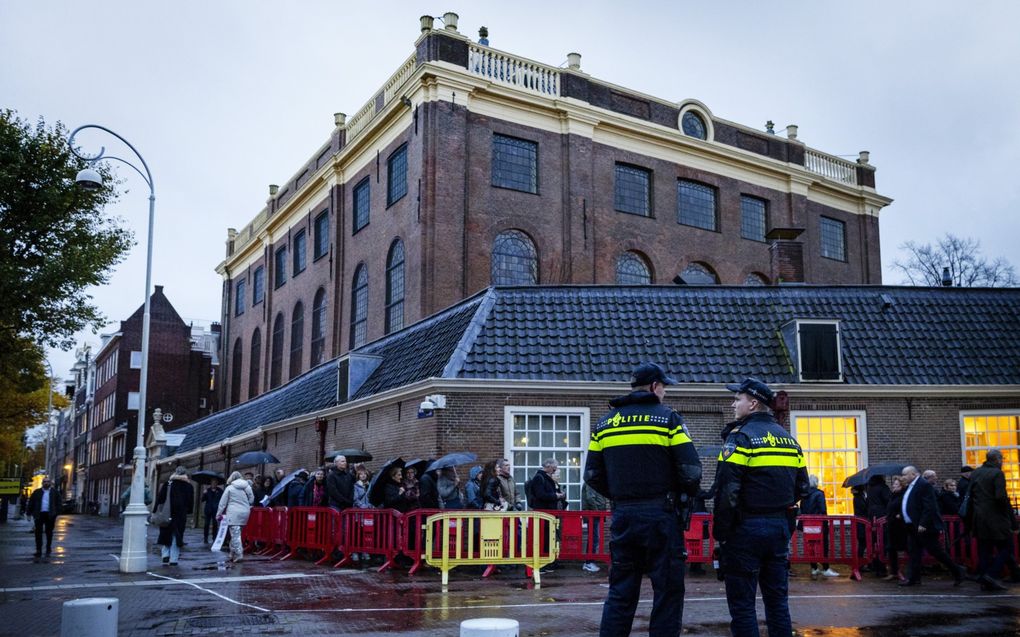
[648,373]
[755,389]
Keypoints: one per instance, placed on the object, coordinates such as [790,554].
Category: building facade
[474,167]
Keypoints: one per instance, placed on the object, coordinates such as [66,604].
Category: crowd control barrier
[584,535]
[458,538]
[836,539]
[259,533]
[276,532]
[412,536]
[698,539]
[961,546]
[313,529]
[371,531]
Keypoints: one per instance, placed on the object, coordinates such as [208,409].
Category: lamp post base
[134,557]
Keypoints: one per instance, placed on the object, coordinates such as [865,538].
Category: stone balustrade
[830,167]
[514,71]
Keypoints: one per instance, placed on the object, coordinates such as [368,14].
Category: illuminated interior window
[533,436]
[983,431]
[833,450]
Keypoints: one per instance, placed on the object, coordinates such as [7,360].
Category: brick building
[181,382]
[472,167]
[870,373]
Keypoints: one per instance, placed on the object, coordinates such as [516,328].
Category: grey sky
[223,98]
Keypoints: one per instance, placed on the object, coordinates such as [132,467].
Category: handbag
[161,516]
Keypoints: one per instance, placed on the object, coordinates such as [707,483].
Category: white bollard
[489,627]
[90,617]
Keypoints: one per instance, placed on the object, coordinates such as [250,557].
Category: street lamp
[133,554]
[49,416]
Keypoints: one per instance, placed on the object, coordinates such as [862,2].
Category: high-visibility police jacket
[761,471]
[641,450]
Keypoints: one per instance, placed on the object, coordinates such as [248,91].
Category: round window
[693,125]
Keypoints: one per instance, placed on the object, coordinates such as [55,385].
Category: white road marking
[197,580]
[223,597]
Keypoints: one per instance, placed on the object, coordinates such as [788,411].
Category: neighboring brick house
[472,167]
[182,369]
[870,374]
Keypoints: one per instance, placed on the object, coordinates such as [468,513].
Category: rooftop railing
[830,166]
[511,70]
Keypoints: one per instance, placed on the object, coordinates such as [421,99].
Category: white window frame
[136,359]
[862,428]
[839,349]
[510,411]
[980,412]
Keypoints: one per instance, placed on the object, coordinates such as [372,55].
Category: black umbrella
[882,469]
[379,480]
[206,476]
[418,464]
[452,460]
[284,481]
[352,455]
[256,457]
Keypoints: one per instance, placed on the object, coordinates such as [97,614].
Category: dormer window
[814,347]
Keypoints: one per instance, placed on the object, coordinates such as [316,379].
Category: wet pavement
[268,597]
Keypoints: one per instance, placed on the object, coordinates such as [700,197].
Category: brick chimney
[786,255]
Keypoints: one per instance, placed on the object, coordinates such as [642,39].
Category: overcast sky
[223,98]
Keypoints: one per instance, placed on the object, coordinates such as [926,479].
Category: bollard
[90,617]
[489,627]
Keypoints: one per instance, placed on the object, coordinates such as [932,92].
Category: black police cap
[755,389]
[648,373]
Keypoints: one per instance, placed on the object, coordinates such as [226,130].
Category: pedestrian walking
[642,457]
[895,531]
[814,504]
[181,495]
[545,494]
[920,511]
[44,507]
[211,500]
[993,521]
[234,509]
[592,500]
[340,485]
[760,477]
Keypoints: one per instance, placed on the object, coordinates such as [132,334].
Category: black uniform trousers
[44,521]
[918,543]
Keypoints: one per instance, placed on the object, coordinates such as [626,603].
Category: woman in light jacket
[235,505]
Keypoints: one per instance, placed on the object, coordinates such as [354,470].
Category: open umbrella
[352,455]
[452,460]
[205,476]
[256,457]
[284,481]
[418,464]
[379,480]
[882,469]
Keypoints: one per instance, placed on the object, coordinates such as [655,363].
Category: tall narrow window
[239,298]
[514,260]
[297,339]
[255,368]
[258,285]
[359,307]
[362,204]
[235,374]
[300,246]
[696,205]
[833,448]
[396,175]
[514,163]
[752,218]
[833,239]
[280,267]
[395,287]
[321,247]
[632,192]
[631,269]
[319,327]
[276,357]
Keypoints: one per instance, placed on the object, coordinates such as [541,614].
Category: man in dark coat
[44,506]
[182,496]
[293,494]
[428,491]
[543,488]
[920,511]
[993,521]
[964,482]
[211,500]
[340,485]
[877,502]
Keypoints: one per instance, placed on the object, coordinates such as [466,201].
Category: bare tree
[924,264]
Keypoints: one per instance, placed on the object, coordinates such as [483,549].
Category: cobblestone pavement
[269,597]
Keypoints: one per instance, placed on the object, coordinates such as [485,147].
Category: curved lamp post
[133,555]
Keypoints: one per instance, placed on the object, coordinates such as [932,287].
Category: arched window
[514,260]
[395,287]
[359,307]
[276,358]
[631,269]
[319,327]
[235,373]
[297,338]
[699,274]
[255,369]
[756,278]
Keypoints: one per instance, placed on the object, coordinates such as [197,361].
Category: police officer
[761,476]
[642,458]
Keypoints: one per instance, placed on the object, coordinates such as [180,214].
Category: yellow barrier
[458,538]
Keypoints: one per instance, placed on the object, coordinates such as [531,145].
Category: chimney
[426,23]
[450,21]
[947,279]
[574,61]
[340,119]
[273,189]
[786,255]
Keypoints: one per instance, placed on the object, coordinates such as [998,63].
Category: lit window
[514,260]
[514,163]
[984,430]
[396,175]
[362,204]
[752,218]
[833,449]
[632,270]
[833,234]
[549,432]
[632,192]
[696,205]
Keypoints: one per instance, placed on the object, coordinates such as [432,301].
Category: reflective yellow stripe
[634,439]
[652,430]
[594,445]
[679,437]
[766,457]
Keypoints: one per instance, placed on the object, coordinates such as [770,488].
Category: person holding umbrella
[211,500]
